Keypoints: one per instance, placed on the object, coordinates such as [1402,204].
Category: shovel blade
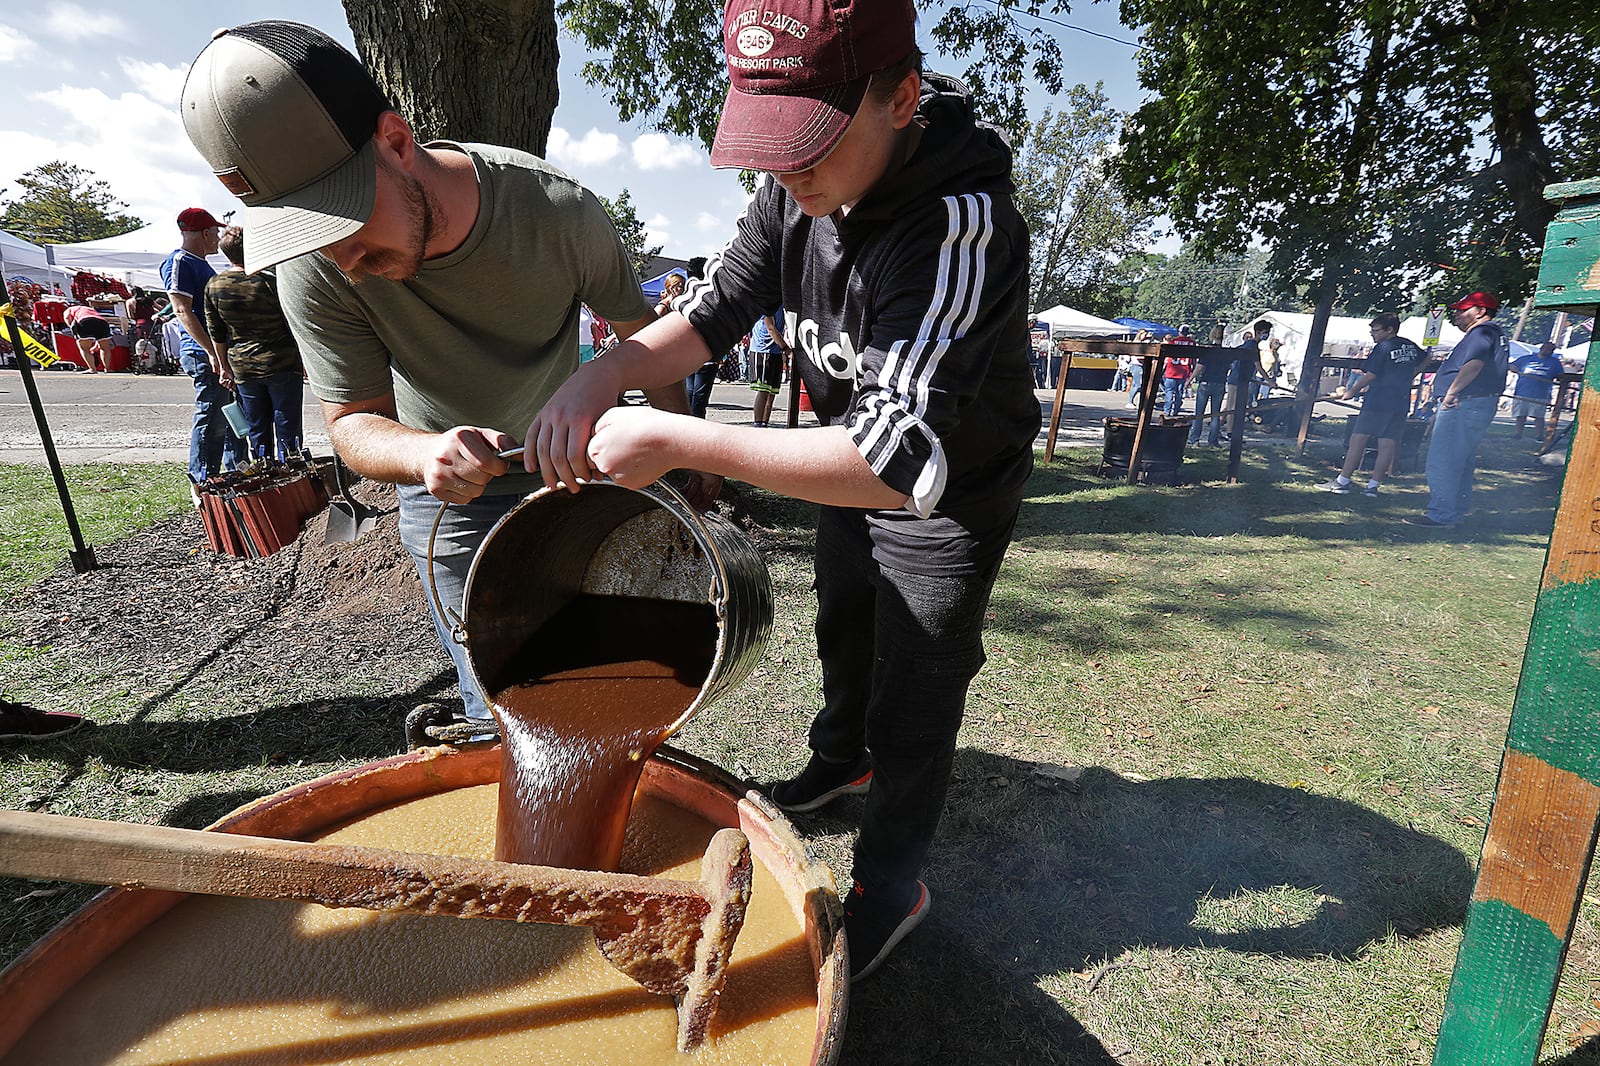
[348,520]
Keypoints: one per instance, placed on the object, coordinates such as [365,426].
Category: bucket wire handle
[458,628]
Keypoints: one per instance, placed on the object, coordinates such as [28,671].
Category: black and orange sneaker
[873,930]
[18,721]
[822,782]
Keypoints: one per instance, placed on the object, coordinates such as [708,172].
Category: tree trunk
[1525,166]
[1310,382]
[471,70]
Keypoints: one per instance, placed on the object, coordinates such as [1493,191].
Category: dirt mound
[373,575]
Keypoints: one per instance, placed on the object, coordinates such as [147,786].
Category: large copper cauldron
[57,973]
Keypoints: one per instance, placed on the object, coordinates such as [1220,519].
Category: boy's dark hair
[1263,326]
[232,244]
[883,82]
[1387,320]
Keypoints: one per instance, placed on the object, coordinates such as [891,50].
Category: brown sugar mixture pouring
[591,696]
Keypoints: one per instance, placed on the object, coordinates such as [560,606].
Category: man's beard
[423,213]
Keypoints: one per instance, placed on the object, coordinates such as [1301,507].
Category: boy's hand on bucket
[462,461]
[635,446]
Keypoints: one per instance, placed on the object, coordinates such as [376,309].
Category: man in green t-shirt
[434,288]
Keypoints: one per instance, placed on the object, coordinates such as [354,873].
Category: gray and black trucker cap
[285,116]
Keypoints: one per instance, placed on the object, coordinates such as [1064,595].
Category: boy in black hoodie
[886,228]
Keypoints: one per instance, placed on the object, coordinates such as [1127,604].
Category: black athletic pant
[898,651]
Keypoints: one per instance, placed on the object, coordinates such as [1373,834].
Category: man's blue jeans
[1171,395]
[272,405]
[1207,393]
[1453,456]
[461,531]
[212,446]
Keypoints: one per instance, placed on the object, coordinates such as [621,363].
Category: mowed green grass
[1218,797]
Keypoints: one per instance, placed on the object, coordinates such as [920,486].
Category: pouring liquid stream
[581,707]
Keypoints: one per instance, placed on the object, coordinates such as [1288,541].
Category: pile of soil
[316,624]
[164,613]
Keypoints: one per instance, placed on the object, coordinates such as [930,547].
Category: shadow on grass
[313,731]
[1033,879]
[1514,498]
[1586,1054]
[1056,879]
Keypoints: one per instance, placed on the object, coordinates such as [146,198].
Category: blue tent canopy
[1136,324]
[654,287]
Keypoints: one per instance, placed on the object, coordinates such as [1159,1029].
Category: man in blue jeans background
[212,445]
[1468,388]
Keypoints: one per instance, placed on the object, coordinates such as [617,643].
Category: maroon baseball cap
[195,219]
[799,70]
[1477,299]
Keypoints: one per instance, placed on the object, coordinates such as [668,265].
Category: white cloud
[135,144]
[14,44]
[705,220]
[658,230]
[158,81]
[594,149]
[657,151]
[74,23]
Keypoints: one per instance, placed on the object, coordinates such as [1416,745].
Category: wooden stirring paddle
[673,937]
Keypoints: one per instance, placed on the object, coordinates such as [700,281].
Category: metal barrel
[607,540]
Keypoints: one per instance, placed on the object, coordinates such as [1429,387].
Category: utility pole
[81,554]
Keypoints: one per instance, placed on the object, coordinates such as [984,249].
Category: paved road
[146,418]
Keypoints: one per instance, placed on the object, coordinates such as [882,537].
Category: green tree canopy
[1187,288]
[625,217]
[61,203]
[1381,139]
[1079,219]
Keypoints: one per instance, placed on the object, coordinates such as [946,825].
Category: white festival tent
[29,260]
[134,258]
[1065,322]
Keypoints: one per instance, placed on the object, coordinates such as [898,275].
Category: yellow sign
[1430,335]
[39,353]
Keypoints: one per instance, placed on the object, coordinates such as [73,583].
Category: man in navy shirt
[1468,388]
[1536,376]
[1386,378]
[1212,376]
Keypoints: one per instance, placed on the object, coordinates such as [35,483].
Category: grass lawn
[1219,794]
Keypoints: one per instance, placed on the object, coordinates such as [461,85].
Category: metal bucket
[53,970]
[612,541]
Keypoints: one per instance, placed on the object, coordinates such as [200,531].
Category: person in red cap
[212,447]
[887,230]
[1467,387]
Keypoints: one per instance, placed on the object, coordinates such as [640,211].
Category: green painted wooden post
[1541,835]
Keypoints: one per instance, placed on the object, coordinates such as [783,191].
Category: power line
[1067,25]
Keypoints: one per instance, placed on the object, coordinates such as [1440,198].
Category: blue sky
[98,86]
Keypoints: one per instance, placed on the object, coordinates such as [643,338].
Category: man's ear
[394,139]
[903,104]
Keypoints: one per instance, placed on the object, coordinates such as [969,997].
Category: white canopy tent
[1065,322]
[134,257]
[28,260]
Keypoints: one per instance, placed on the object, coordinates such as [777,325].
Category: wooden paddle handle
[91,851]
